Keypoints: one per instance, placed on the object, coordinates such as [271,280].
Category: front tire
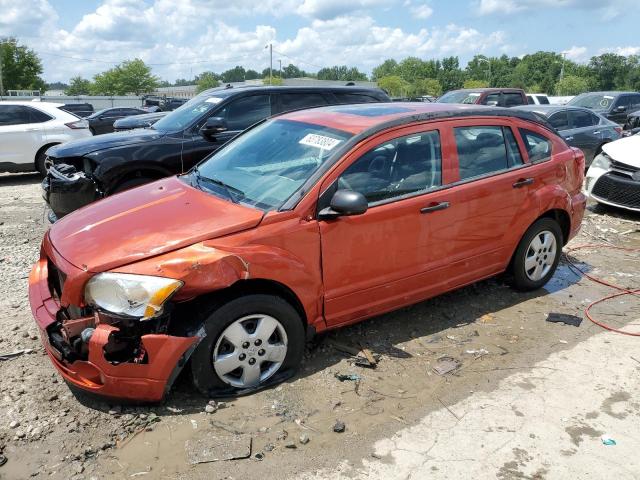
[537,255]
[251,342]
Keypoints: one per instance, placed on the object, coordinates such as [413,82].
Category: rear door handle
[523,182]
[435,207]
[597,133]
[568,139]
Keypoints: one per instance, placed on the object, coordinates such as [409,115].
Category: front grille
[623,168]
[56,279]
[617,189]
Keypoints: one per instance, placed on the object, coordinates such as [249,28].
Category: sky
[181,38]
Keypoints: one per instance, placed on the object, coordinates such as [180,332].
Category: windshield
[595,101]
[459,96]
[98,113]
[186,114]
[265,166]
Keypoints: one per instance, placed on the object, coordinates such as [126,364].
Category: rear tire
[40,167]
[239,354]
[537,256]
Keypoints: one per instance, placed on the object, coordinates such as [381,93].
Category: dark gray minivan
[612,105]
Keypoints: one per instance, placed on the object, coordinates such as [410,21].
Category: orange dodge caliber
[306,222]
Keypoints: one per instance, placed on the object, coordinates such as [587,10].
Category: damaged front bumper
[66,189]
[145,377]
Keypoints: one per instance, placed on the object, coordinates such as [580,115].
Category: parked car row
[108,164]
[306,221]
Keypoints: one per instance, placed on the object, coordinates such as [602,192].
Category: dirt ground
[490,330]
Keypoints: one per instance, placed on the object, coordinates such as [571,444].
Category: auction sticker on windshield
[319,141]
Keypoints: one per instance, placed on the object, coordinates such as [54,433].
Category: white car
[614,176]
[537,99]
[28,129]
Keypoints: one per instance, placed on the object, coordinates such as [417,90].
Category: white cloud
[181,39]
[422,12]
[328,9]
[604,9]
[576,54]
[626,51]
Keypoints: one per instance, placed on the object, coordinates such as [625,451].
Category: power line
[195,62]
[297,60]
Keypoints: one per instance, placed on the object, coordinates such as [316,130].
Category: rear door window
[559,121]
[542,100]
[512,99]
[580,119]
[530,100]
[403,166]
[538,146]
[482,150]
[295,101]
[240,114]
[346,98]
[492,99]
[14,115]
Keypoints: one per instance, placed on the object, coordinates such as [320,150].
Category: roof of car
[223,92]
[549,109]
[487,89]
[359,118]
[32,104]
[608,92]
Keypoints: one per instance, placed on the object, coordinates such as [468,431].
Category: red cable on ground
[622,290]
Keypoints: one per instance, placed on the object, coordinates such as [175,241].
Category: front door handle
[435,207]
[523,182]
[597,133]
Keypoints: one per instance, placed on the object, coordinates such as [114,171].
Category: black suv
[83,171]
[613,105]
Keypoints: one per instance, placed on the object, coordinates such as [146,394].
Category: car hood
[624,150]
[146,221]
[78,148]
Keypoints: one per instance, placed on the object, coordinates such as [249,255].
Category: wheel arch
[43,149]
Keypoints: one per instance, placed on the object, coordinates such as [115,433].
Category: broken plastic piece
[564,318]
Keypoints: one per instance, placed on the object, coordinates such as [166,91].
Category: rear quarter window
[538,146]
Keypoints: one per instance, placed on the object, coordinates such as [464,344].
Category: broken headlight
[139,296]
[601,161]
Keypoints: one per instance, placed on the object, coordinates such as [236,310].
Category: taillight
[78,124]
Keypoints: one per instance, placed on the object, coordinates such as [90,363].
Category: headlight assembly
[138,296]
[601,161]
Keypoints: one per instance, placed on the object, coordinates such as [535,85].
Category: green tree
[571,85]
[471,83]
[342,73]
[207,80]
[251,75]
[450,75]
[130,77]
[388,68]
[394,85]
[274,80]
[235,74]
[78,86]
[426,86]
[21,67]
[610,71]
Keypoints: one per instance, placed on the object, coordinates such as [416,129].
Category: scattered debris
[175,410]
[477,353]
[607,440]
[17,353]
[352,377]
[361,357]
[210,409]
[3,459]
[564,318]
[259,456]
[290,444]
[339,426]
[214,448]
[269,447]
[487,318]
[304,439]
[282,435]
[564,342]
[14,424]
[446,365]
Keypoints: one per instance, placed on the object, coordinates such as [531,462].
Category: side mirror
[621,108]
[344,203]
[213,126]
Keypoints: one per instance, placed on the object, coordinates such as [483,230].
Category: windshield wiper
[233,193]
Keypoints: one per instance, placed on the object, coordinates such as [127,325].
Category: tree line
[542,72]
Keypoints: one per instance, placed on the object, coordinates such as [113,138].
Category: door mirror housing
[492,103]
[213,126]
[344,203]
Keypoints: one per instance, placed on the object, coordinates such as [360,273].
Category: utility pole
[270,62]
[1,85]
[280,69]
[564,54]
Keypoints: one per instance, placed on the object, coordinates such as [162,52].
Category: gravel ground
[48,432]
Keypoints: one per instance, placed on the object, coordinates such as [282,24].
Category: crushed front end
[68,186]
[112,356]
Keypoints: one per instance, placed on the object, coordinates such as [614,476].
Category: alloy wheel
[540,255]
